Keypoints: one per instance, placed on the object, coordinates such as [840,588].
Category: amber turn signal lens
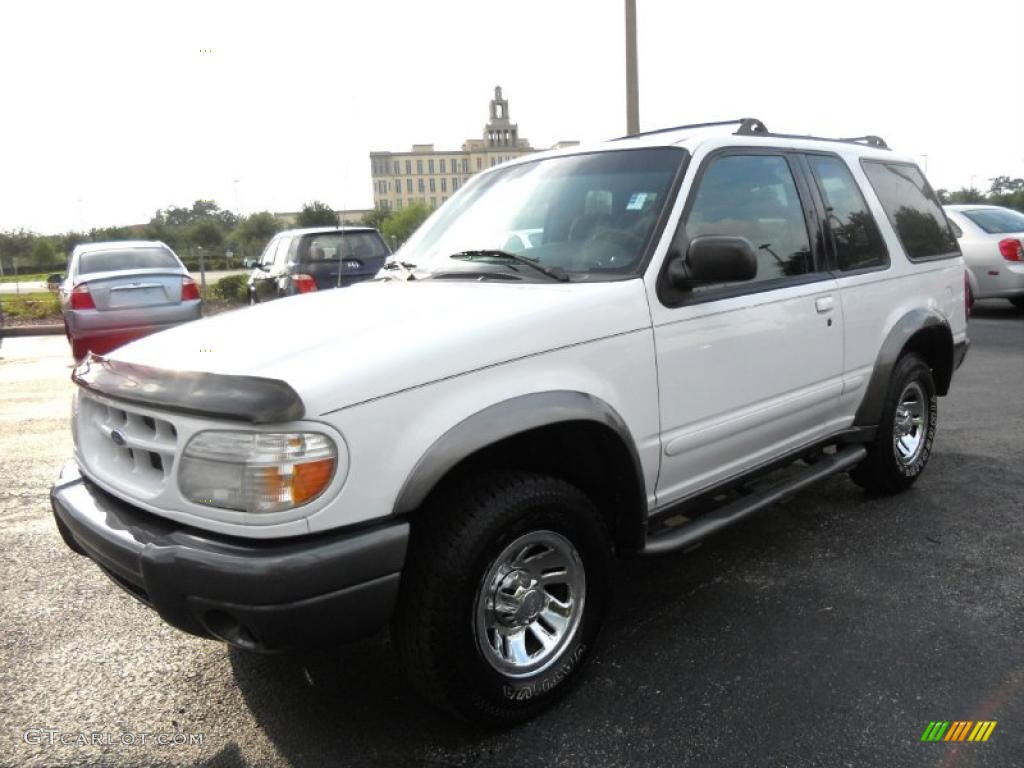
[310,478]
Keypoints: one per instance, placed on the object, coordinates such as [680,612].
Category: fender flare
[870,411]
[506,419]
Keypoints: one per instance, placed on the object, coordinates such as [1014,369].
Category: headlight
[256,471]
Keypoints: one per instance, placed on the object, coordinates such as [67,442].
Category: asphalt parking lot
[828,631]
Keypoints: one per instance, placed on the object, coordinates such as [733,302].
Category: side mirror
[714,259]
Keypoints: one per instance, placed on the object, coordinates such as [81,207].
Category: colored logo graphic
[958,730]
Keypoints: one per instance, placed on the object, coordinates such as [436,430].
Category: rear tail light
[968,295]
[1011,249]
[303,283]
[81,298]
[189,289]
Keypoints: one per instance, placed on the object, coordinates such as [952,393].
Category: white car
[992,241]
[712,318]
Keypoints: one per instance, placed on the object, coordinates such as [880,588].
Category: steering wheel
[622,240]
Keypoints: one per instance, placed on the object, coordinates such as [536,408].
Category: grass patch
[31,277]
[31,306]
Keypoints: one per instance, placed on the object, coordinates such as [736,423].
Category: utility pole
[632,93]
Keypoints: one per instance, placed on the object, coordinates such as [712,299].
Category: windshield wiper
[493,253]
[404,266]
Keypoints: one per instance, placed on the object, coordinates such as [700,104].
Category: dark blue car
[304,260]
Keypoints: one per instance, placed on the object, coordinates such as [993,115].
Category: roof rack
[747,125]
[751,126]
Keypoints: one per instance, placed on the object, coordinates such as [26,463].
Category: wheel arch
[923,331]
[572,435]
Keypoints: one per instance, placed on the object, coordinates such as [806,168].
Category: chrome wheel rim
[529,603]
[909,426]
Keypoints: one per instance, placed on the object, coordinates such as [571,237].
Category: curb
[32,330]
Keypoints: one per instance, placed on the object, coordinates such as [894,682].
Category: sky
[115,109]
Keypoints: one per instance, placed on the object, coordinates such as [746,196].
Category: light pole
[632,92]
[925,164]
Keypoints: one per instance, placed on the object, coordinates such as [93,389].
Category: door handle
[824,304]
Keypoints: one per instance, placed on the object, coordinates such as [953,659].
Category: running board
[693,531]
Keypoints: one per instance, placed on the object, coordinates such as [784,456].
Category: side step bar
[693,531]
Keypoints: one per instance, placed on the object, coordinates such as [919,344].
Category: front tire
[906,432]
[503,595]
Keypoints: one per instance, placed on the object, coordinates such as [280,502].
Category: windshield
[335,246]
[583,215]
[997,220]
[132,258]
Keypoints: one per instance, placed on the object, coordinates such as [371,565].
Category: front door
[268,275]
[747,371]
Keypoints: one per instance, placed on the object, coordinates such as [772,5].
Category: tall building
[430,176]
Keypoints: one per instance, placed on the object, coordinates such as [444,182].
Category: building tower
[500,131]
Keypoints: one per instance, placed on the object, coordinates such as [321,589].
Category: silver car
[992,241]
[116,292]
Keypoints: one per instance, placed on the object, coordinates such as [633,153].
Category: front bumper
[258,595]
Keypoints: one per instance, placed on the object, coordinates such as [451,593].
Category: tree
[397,228]
[15,245]
[966,195]
[206,234]
[317,214]
[43,254]
[1004,185]
[253,232]
[376,218]
[173,216]
[175,237]
[1007,192]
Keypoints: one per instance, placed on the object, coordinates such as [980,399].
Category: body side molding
[506,419]
[911,323]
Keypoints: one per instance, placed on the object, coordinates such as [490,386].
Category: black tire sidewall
[476,689]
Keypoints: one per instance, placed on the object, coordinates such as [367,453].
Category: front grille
[131,450]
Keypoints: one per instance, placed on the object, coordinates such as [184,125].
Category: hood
[341,347]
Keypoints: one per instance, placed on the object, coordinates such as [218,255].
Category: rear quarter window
[913,210]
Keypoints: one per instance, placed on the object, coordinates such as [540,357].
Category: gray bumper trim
[259,595]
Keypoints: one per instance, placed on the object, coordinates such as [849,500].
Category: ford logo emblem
[117,437]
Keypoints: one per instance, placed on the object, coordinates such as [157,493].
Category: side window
[912,208]
[957,232]
[754,196]
[855,237]
[267,257]
[281,259]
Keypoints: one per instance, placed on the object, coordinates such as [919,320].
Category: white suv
[703,320]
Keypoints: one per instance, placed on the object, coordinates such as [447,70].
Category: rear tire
[906,431]
[1018,302]
[503,595]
